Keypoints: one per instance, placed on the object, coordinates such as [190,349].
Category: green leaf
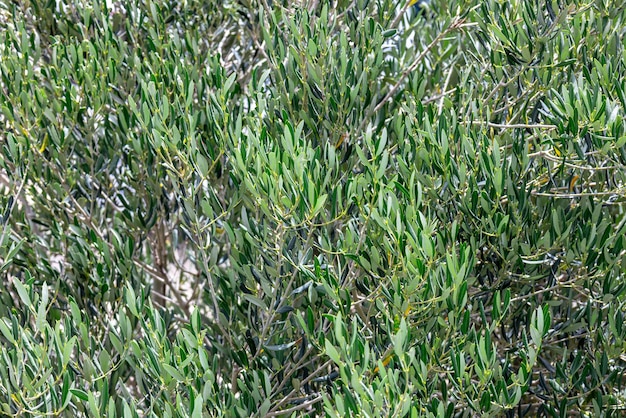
[332,353]
[204,361]
[229,81]
[203,165]
[68,349]
[279,347]
[172,371]
[382,143]
[80,394]
[382,167]
[6,332]
[196,322]
[93,405]
[131,301]
[400,339]
[127,411]
[117,344]
[321,200]
[41,309]
[66,395]
[197,407]
[255,301]
[22,292]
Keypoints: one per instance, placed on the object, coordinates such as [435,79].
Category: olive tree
[345,208]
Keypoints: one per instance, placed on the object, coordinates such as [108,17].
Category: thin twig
[511,126]
[547,289]
[163,297]
[438,96]
[290,369]
[575,195]
[396,21]
[445,86]
[296,408]
[304,382]
[549,156]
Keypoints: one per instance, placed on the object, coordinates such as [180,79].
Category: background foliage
[346,208]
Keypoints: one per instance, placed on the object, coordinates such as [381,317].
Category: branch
[296,408]
[457,22]
[293,391]
[511,126]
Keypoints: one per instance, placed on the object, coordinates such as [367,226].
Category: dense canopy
[312,208]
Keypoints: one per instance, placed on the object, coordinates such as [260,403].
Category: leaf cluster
[266,208]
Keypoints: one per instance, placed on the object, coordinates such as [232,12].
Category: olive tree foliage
[344,208]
